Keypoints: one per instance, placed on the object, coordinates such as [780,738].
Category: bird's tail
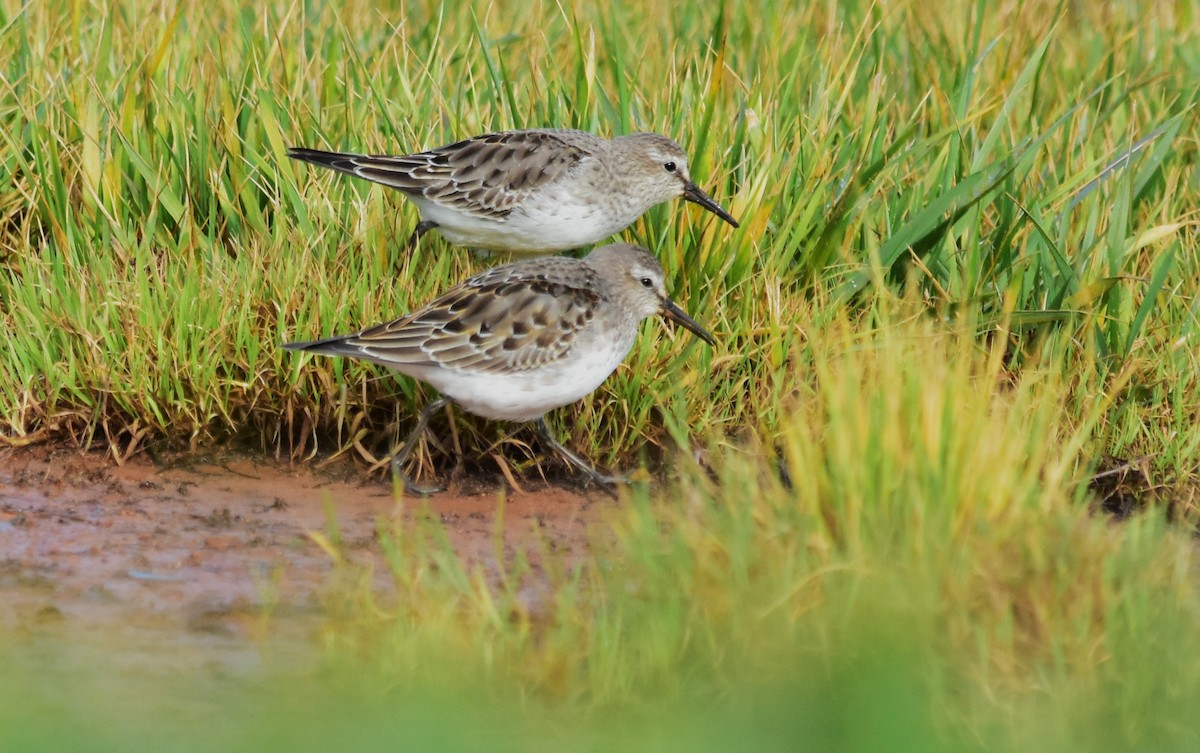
[329,346]
[343,162]
[396,172]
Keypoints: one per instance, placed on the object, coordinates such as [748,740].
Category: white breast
[566,214]
[528,395]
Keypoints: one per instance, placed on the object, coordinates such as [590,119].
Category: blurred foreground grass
[932,579]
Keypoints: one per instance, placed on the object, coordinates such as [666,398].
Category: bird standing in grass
[531,192]
[520,339]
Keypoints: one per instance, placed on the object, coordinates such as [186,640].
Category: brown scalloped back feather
[484,176]
[496,322]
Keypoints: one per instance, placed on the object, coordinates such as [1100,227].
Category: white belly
[539,225]
[528,395]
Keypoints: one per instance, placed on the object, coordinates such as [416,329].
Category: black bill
[692,193]
[676,314]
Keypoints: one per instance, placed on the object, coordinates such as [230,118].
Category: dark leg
[401,457]
[577,462]
[424,226]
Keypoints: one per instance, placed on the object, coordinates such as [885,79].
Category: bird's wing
[485,176]
[492,323]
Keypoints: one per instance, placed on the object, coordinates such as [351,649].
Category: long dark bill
[676,314]
[692,193]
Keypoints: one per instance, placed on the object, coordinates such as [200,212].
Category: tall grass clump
[925,537]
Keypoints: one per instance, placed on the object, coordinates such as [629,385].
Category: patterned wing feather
[492,323]
[485,176]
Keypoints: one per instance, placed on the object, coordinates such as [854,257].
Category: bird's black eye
[647,282]
[669,167]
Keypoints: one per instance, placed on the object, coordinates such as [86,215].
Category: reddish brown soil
[188,556]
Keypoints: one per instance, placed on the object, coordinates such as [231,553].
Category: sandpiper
[531,192]
[520,339]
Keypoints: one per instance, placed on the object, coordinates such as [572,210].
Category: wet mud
[210,564]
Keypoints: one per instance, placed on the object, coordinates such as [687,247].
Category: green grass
[965,279]
[158,246]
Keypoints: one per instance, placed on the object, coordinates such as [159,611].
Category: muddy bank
[210,561]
